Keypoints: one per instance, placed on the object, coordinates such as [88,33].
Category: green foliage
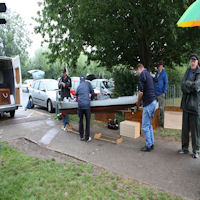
[175,74]
[40,61]
[117,32]
[126,82]
[53,70]
[84,67]
[14,37]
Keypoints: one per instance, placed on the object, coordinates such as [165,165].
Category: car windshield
[107,84]
[51,85]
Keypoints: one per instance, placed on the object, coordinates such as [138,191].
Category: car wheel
[49,106]
[12,113]
[31,99]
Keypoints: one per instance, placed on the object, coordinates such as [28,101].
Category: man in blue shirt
[83,95]
[161,85]
[147,94]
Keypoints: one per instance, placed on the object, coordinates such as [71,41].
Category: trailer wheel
[12,113]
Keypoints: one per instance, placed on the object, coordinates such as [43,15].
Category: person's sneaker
[69,127]
[82,139]
[64,129]
[145,149]
[89,139]
[195,155]
[183,151]
[152,147]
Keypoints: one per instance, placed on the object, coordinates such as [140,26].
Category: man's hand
[63,84]
[163,94]
[188,83]
[140,94]
[137,103]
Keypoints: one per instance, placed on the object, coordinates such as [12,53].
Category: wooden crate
[4,96]
[130,129]
[104,117]
[137,117]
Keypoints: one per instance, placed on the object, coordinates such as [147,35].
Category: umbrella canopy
[191,16]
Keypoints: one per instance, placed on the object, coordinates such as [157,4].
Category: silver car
[103,88]
[43,93]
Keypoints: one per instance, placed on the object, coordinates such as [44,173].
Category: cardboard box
[173,120]
[130,129]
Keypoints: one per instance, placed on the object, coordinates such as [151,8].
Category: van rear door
[18,79]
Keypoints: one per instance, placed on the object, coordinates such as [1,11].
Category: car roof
[44,80]
[75,78]
[100,79]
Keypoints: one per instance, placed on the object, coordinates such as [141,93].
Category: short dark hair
[160,63]
[140,65]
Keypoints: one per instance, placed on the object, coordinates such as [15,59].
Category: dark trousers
[191,123]
[87,113]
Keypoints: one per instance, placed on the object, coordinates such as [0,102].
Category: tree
[41,62]
[53,70]
[14,37]
[116,31]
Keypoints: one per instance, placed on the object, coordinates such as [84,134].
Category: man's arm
[140,94]
[91,91]
[187,86]
[68,83]
[77,91]
[141,89]
[165,84]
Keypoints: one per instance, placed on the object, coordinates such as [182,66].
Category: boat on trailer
[69,106]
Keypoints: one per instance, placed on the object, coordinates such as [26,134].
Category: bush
[126,82]
[175,75]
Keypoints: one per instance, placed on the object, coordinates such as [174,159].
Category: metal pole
[174,87]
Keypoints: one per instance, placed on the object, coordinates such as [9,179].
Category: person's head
[160,66]
[140,68]
[82,78]
[64,72]
[194,61]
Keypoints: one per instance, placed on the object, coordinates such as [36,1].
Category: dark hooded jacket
[65,91]
[83,94]
[191,92]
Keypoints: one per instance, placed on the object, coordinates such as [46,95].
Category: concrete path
[162,168]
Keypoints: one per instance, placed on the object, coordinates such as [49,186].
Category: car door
[35,93]
[42,95]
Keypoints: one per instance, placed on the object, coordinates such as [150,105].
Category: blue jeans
[147,116]
[65,120]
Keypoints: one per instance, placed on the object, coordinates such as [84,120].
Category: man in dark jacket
[161,85]
[147,94]
[83,95]
[191,107]
[65,85]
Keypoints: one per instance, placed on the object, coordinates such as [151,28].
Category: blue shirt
[146,86]
[83,94]
[161,83]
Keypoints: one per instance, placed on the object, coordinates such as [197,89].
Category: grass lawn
[23,177]
[169,134]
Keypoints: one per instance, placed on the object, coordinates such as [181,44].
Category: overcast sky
[27,9]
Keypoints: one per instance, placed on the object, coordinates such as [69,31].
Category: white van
[10,83]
